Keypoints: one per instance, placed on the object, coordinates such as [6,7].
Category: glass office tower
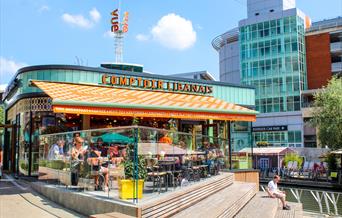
[273,60]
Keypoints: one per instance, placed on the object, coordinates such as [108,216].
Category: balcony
[336,47]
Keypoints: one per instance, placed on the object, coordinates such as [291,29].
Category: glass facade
[283,139]
[273,60]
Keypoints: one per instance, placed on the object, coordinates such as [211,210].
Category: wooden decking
[110,215]
[225,203]
[295,212]
[259,206]
[263,206]
[173,203]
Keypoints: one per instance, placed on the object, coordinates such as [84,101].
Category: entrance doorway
[264,163]
[10,158]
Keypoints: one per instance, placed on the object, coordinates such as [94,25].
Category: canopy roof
[112,101]
[268,151]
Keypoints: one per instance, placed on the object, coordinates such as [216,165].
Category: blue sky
[34,32]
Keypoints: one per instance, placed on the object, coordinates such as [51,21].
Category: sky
[165,36]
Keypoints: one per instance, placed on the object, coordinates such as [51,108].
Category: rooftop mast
[119,29]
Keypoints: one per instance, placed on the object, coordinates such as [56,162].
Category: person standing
[77,156]
[274,192]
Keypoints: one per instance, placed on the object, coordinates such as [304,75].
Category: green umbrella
[112,137]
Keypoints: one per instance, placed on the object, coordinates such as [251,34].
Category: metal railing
[318,201]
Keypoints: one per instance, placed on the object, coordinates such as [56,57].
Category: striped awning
[112,101]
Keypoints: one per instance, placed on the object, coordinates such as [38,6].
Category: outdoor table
[169,167]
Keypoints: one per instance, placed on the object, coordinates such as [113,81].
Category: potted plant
[127,186]
[262,144]
[332,166]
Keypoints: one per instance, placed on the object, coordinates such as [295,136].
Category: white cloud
[175,32]
[95,15]
[44,8]
[108,34]
[3,87]
[8,68]
[80,21]
[142,37]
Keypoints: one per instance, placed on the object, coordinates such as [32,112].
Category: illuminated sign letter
[122,81]
[115,23]
[104,79]
[125,22]
[131,81]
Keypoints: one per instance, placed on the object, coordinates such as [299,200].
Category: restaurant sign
[269,128]
[155,84]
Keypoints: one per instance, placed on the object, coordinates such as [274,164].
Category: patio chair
[158,177]
[294,168]
[289,168]
[310,169]
[304,170]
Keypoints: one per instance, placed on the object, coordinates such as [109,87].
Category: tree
[327,114]
[2,114]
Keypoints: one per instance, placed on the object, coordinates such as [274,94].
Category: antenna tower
[119,28]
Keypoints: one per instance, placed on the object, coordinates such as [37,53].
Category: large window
[273,60]
[290,138]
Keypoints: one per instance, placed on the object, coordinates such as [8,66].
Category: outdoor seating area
[130,162]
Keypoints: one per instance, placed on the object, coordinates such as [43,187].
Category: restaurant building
[59,98]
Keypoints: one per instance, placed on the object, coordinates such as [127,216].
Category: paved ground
[18,200]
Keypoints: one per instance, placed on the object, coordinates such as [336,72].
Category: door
[263,163]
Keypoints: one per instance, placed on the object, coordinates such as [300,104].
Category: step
[186,201]
[179,200]
[261,205]
[224,203]
[110,215]
[295,212]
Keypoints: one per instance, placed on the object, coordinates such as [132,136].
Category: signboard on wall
[269,128]
[155,84]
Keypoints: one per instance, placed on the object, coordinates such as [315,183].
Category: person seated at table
[95,159]
[56,150]
[165,138]
[114,151]
[94,162]
[102,147]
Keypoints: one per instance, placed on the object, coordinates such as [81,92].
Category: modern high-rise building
[286,59]
[270,54]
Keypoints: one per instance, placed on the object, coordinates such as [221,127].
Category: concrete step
[224,203]
[179,200]
[261,205]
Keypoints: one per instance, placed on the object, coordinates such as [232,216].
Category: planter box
[127,189]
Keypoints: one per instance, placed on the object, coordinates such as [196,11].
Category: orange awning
[112,101]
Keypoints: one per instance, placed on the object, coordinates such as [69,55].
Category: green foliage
[327,114]
[129,164]
[262,144]
[293,157]
[129,168]
[2,114]
[135,121]
[54,164]
[332,162]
